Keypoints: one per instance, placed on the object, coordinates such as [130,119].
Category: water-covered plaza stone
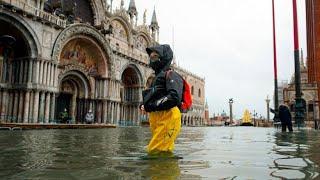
[213,152]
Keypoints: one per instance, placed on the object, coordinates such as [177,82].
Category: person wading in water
[162,100]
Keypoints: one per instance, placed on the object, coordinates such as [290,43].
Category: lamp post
[230,106]
[276,97]
[268,108]
[254,117]
[299,106]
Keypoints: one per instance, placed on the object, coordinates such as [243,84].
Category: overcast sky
[229,42]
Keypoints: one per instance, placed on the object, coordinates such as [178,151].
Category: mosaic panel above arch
[85,53]
[90,34]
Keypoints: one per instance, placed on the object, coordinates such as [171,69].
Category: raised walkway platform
[16,126]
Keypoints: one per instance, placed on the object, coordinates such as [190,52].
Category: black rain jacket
[166,89]
[284,115]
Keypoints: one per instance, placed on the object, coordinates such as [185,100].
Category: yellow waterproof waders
[165,127]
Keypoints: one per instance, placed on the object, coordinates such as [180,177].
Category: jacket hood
[165,55]
[283,108]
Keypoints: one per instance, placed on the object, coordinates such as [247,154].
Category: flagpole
[299,106]
[276,97]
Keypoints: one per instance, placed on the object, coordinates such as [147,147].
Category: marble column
[98,114]
[36,107]
[112,113]
[51,74]
[136,109]
[96,91]
[101,89]
[55,75]
[31,105]
[20,110]
[47,108]
[104,88]
[25,71]
[36,73]
[115,112]
[104,111]
[30,71]
[52,109]
[15,106]
[48,74]
[26,107]
[125,112]
[9,105]
[45,68]
[118,113]
[41,72]
[42,104]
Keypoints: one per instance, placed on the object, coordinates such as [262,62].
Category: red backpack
[186,101]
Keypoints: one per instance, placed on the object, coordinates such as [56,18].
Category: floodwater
[208,153]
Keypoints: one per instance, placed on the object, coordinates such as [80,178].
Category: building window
[199,93]
[192,90]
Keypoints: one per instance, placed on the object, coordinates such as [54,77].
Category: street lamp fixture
[268,108]
[230,105]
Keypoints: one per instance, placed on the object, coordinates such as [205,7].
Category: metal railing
[24,6]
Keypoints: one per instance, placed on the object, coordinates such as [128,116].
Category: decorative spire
[132,10]
[154,21]
[145,17]
[111,5]
[206,106]
[121,4]
[154,26]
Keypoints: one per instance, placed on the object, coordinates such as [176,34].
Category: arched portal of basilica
[130,93]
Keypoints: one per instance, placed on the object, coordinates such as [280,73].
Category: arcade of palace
[79,56]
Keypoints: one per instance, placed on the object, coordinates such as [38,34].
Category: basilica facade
[75,56]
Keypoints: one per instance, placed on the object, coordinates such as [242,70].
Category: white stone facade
[56,64]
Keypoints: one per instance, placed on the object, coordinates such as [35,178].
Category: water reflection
[294,151]
[212,153]
[162,169]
